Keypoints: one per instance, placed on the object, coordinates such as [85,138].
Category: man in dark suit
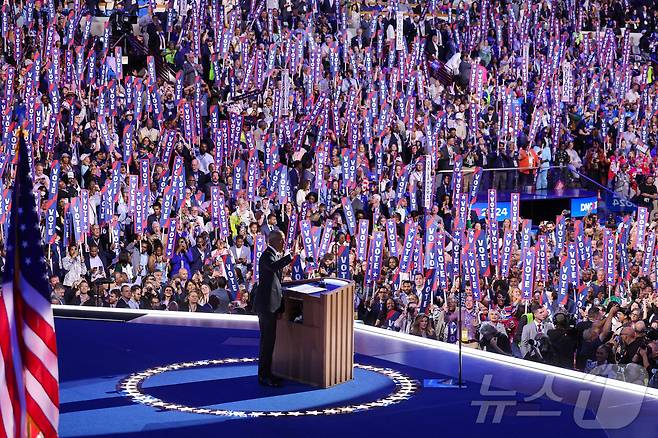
[443,189]
[267,303]
[199,254]
[101,240]
[359,41]
[269,226]
[157,41]
[56,255]
[433,49]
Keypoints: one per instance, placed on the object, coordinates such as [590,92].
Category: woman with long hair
[124,265]
[304,189]
[204,295]
[422,327]
[182,257]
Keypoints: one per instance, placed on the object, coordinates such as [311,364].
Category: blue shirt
[181,261]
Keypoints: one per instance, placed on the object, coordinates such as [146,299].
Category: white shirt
[95,262]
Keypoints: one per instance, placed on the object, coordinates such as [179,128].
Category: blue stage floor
[97,356]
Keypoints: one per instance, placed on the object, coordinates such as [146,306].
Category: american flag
[29,398]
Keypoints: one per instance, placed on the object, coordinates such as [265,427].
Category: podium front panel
[315,335]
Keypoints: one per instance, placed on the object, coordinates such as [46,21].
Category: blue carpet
[95,356]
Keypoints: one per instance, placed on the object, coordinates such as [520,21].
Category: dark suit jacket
[103,244]
[359,42]
[198,258]
[185,307]
[104,259]
[441,191]
[154,39]
[267,297]
[265,229]
[432,51]
[56,255]
[122,304]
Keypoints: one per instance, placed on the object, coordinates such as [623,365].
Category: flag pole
[459,338]
[32,429]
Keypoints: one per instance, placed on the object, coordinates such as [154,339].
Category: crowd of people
[349,126]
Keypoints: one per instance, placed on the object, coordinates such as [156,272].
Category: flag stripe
[41,350]
[30,366]
[7,408]
[37,415]
[9,344]
[40,305]
[32,363]
[45,379]
[38,324]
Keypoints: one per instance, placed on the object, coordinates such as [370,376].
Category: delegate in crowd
[364,132]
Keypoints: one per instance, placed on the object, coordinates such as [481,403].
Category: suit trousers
[267,325]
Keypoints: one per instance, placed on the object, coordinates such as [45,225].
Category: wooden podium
[315,335]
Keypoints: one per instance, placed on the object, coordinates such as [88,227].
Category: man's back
[564,346]
[224,298]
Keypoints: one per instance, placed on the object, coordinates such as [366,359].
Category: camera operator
[494,341]
[628,345]
[645,356]
[634,348]
[563,340]
[652,358]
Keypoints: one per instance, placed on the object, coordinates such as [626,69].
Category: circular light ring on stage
[131,386]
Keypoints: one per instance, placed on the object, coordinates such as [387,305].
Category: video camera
[564,320]
[122,21]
